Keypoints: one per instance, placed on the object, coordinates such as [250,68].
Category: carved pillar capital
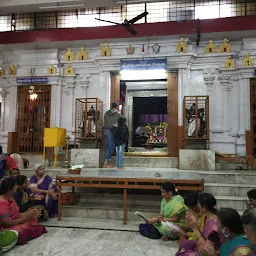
[226,83]
[69,83]
[209,77]
[3,93]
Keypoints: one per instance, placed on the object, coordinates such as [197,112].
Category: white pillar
[225,99]
[105,83]
[84,82]
[69,90]
[209,81]
[3,94]
[58,102]
[180,96]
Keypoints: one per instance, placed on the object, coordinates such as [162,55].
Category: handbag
[150,231]
[68,198]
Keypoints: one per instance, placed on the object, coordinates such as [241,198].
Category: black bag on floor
[148,230]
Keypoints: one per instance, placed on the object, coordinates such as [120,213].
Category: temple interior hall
[128,127]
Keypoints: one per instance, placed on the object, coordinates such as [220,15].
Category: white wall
[199,74]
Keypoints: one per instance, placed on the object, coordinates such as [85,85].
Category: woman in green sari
[172,210]
[8,239]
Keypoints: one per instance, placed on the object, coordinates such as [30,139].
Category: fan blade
[142,15]
[108,21]
[130,29]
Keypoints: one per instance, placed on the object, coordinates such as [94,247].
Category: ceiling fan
[127,23]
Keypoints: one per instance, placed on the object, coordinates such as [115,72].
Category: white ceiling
[16,6]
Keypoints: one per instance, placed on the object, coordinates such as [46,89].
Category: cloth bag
[149,230]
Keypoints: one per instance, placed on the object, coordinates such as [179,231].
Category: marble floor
[81,242]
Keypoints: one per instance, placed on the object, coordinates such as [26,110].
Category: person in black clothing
[121,136]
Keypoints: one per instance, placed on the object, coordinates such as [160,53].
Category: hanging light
[33,96]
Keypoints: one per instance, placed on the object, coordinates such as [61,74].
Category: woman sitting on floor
[8,239]
[235,241]
[173,210]
[25,199]
[211,235]
[12,167]
[10,219]
[42,184]
[191,201]
[249,222]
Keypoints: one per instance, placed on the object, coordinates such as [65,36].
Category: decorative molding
[230,63]
[248,60]
[210,47]
[225,46]
[12,70]
[226,83]
[209,77]
[52,70]
[84,82]
[69,70]
[82,55]
[69,83]
[69,55]
[105,50]
[182,46]
[130,50]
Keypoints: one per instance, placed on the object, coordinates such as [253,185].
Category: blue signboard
[32,80]
[147,64]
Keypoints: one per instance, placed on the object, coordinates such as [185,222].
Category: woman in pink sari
[211,236]
[10,219]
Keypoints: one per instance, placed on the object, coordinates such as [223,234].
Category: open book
[170,225]
[141,215]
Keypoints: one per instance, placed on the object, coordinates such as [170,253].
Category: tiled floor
[81,242]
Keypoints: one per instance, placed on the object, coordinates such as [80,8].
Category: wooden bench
[122,183]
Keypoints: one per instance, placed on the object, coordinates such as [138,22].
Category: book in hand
[170,225]
[141,215]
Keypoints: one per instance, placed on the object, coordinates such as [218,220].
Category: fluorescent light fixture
[143,74]
[61,6]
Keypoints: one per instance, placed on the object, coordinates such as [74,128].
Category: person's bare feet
[120,169]
[165,238]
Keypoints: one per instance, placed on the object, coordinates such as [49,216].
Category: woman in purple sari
[43,185]
[211,236]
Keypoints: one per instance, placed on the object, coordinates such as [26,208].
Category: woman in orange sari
[10,219]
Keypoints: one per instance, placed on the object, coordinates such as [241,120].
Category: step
[110,206]
[93,223]
[142,161]
[217,177]
[133,201]
[229,177]
[219,189]
[234,202]
[230,166]
[106,211]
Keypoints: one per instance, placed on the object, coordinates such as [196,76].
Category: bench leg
[59,203]
[125,206]
[73,188]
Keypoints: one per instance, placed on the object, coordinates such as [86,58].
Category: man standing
[110,121]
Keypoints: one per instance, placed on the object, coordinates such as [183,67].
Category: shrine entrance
[149,124]
[33,115]
[151,109]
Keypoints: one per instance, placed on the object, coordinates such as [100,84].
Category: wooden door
[172,110]
[115,88]
[253,115]
[32,117]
